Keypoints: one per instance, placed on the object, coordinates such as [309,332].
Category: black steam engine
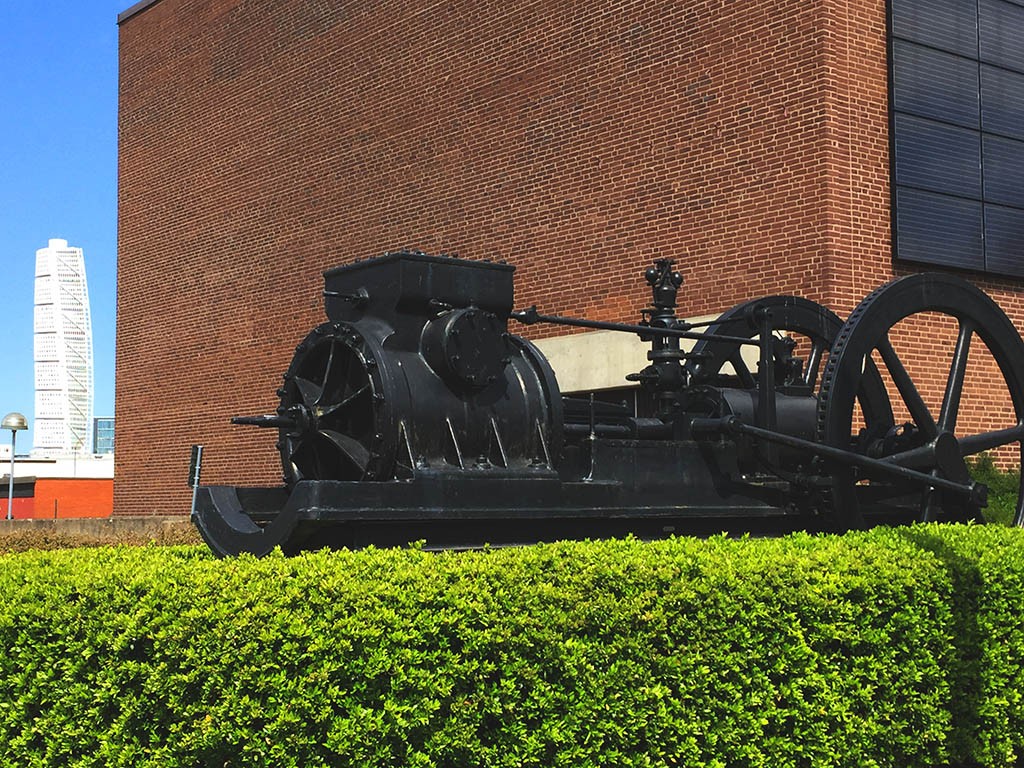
[414,414]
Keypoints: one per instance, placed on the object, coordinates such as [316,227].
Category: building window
[957,95]
[103,435]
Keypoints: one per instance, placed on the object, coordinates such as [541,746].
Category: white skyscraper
[63,352]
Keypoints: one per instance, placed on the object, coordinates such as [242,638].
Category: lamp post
[13,422]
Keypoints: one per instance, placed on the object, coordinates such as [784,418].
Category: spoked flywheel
[986,352]
[812,327]
[330,409]
[805,332]
[806,322]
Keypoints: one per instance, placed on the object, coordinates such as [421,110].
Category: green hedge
[893,647]
[1003,487]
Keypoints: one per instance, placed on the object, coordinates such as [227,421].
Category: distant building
[70,486]
[63,352]
[103,435]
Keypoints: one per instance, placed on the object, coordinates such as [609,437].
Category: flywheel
[813,326]
[810,330]
[985,349]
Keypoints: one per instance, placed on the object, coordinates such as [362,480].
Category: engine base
[460,511]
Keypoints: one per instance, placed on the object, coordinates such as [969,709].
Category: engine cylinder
[416,373]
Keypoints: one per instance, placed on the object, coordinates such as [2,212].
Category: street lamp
[13,422]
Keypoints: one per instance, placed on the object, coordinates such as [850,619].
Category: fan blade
[324,412]
[303,457]
[308,391]
[354,451]
[335,374]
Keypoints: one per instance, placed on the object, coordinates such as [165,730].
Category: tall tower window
[957,96]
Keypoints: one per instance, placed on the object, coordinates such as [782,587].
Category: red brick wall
[21,507]
[261,142]
[78,497]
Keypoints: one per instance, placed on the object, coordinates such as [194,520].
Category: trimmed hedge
[47,537]
[892,647]
[1003,487]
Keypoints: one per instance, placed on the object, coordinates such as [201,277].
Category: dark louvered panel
[938,157]
[935,84]
[1004,171]
[951,25]
[1004,240]
[957,71]
[1001,27]
[1002,101]
[937,229]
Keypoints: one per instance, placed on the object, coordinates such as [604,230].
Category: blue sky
[58,175]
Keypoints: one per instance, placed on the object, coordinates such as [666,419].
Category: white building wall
[62,352]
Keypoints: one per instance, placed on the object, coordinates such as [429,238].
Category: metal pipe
[10,485]
[12,421]
[195,470]
[531,316]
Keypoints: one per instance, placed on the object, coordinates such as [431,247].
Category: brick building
[262,142]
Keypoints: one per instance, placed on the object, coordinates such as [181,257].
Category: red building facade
[52,498]
[263,142]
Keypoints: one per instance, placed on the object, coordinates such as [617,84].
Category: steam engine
[414,413]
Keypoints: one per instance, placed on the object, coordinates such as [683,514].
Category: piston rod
[976,492]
